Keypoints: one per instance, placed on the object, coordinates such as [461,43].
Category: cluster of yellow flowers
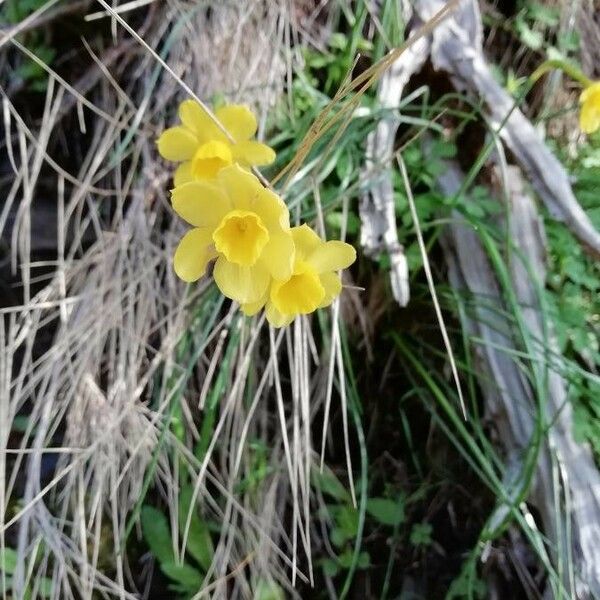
[261,262]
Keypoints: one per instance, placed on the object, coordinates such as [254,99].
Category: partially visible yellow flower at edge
[314,282]
[589,117]
[240,223]
[203,149]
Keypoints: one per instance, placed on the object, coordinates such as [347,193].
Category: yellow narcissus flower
[314,282]
[203,149]
[240,223]
[589,117]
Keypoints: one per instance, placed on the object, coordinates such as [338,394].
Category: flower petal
[197,120]
[200,203]
[193,254]
[242,284]
[331,256]
[276,318]
[589,92]
[301,294]
[271,209]
[210,158]
[332,284]
[177,143]
[253,153]
[238,120]
[241,186]
[589,118]
[251,308]
[183,173]
[305,240]
[278,256]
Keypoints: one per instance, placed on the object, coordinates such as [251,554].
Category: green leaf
[20,423]
[529,37]
[318,61]
[346,558]
[347,520]
[336,221]
[199,542]
[338,41]
[467,585]
[45,587]
[421,534]
[547,15]
[8,560]
[268,590]
[184,575]
[329,484]
[386,511]
[338,537]
[330,567]
[414,257]
[443,149]
[364,560]
[156,533]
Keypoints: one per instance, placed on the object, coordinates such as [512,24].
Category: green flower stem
[571,70]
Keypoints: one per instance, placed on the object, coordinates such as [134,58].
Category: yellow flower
[589,117]
[205,149]
[240,223]
[313,283]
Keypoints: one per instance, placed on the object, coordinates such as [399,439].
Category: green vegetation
[28,71]
[187,576]
[574,299]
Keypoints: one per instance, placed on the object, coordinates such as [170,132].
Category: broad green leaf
[336,221]
[386,511]
[443,149]
[547,15]
[199,542]
[347,520]
[338,537]
[45,587]
[329,484]
[9,583]
[364,560]
[330,567]
[346,558]
[467,585]
[530,37]
[184,575]
[268,590]
[338,41]
[156,533]
[20,423]
[8,560]
[421,534]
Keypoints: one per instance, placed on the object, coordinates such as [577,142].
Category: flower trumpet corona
[203,149]
[313,283]
[240,223]
[589,117]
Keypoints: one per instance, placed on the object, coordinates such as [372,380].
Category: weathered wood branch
[569,504]
[377,210]
[456,47]
[510,398]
